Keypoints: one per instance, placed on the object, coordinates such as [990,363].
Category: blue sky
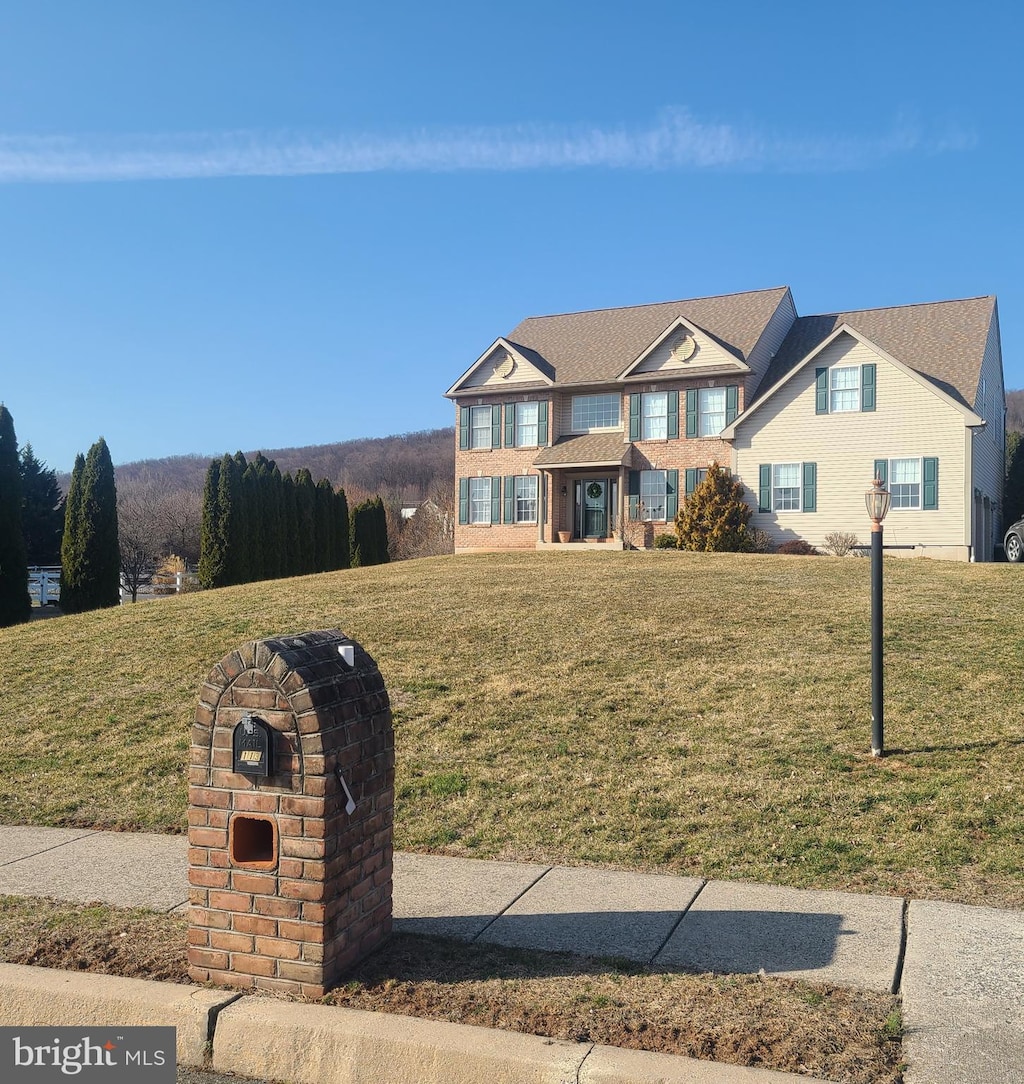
[243,224]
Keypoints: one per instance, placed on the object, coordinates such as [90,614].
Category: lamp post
[876,500]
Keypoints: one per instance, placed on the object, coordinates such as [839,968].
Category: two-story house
[573,426]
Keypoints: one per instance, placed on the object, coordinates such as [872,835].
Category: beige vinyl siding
[909,421]
[708,355]
[988,443]
[768,344]
[484,375]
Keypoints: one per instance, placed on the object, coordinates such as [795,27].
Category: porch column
[623,501]
[542,503]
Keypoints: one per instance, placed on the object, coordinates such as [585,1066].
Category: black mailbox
[252,747]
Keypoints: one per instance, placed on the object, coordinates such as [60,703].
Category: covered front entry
[595,503]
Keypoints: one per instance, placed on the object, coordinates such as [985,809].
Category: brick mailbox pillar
[291,796]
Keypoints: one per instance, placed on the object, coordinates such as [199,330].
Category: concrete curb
[312,1044]
[40,995]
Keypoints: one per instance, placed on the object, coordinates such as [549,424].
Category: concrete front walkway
[959,969]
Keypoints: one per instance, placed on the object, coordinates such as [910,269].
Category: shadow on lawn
[962,747]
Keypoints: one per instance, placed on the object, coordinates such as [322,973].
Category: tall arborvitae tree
[275,522]
[212,543]
[101,559]
[290,526]
[381,531]
[325,557]
[229,506]
[305,503]
[42,510]
[71,568]
[341,530]
[255,542]
[15,602]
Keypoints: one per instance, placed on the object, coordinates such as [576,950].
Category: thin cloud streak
[676,142]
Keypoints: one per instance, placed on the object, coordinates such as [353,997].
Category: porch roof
[587,450]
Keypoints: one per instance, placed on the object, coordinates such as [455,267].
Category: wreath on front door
[593,491]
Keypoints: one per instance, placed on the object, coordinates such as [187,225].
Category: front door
[595,508]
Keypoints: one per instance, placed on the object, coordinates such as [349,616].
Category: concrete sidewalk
[959,969]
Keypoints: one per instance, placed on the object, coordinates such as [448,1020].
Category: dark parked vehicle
[1013,543]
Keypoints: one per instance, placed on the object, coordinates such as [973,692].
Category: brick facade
[679,453]
[287,889]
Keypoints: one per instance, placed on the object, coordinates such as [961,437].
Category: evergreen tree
[212,542]
[1013,491]
[381,531]
[100,585]
[15,601]
[359,551]
[290,527]
[715,516]
[71,570]
[305,504]
[42,510]
[229,511]
[341,530]
[324,526]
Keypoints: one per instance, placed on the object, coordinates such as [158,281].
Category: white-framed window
[652,495]
[786,487]
[480,420]
[711,407]
[595,412]
[526,425]
[526,498]
[654,411]
[844,388]
[905,483]
[480,499]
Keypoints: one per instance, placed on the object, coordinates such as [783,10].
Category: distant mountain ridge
[408,464]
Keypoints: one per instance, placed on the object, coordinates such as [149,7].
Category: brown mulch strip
[837,1034]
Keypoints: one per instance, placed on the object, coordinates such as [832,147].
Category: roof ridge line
[651,304]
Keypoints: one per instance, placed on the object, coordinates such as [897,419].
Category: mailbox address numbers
[252,746]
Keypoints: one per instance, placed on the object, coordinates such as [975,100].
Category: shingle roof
[586,449]
[596,346]
[944,341]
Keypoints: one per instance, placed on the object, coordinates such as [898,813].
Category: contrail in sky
[675,142]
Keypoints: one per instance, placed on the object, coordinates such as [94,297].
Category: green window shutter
[510,498]
[463,427]
[542,423]
[463,500]
[867,386]
[495,500]
[510,425]
[496,425]
[810,495]
[634,494]
[882,470]
[690,480]
[634,416]
[764,488]
[930,492]
[673,415]
[821,391]
[691,412]
[732,402]
[671,494]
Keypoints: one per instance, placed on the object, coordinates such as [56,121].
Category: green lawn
[705,714]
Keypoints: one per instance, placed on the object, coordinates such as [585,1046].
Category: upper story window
[654,406]
[480,418]
[844,388]
[712,411]
[595,412]
[526,425]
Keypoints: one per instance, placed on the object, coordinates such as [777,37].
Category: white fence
[44,586]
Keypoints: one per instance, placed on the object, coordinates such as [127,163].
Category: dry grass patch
[693,713]
[838,1035]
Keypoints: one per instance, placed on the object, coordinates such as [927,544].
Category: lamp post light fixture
[876,500]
